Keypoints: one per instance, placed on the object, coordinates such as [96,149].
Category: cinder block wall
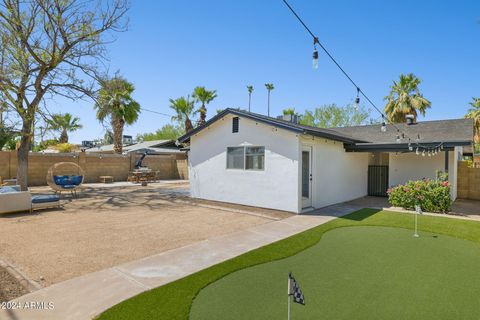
[94,165]
[468,182]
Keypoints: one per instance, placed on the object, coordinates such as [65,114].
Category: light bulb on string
[417,152]
[423,153]
[315,54]
[356,105]
[410,148]
[384,126]
[398,137]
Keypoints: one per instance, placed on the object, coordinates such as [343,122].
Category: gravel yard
[107,226]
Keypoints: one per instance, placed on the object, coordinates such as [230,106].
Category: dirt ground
[9,286]
[107,226]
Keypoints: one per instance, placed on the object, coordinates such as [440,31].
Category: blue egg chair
[65,177]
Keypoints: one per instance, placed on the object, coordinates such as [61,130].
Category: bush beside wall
[431,195]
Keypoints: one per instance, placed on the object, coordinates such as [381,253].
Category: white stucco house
[251,159]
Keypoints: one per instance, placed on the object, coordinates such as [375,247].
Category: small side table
[106,179]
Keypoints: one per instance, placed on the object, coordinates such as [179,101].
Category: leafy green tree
[289,111]
[250,91]
[204,96]
[474,113]
[185,110]
[167,132]
[45,144]
[50,48]
[64,123]
[269,87]
[7,135]
[405,98]
[330,116]
[116,104]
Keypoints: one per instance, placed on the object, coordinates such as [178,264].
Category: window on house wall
[246,158]
[235,124]
[254,158]
[235,157]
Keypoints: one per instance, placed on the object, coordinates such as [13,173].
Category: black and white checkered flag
[294,290]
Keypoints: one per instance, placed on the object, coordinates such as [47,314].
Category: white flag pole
[288,295]
[417,212]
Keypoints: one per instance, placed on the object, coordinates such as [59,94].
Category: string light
[315,54]
[359,91]
[356,105]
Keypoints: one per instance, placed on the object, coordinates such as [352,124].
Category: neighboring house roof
[450,133]
[160,146]
[279,123]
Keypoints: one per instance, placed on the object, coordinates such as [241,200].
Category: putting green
[356,273]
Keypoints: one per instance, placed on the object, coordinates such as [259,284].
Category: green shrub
[431,195]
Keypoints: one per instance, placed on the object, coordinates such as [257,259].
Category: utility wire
[152,111]
[316,41]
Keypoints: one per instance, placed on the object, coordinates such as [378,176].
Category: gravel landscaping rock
[10,288]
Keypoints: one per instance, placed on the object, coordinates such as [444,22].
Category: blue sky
[173,46]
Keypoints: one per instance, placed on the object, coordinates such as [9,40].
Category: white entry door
[306,176]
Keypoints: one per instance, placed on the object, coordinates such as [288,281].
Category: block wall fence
[94,165]
[468,182]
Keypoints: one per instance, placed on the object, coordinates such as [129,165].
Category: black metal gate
[377,181]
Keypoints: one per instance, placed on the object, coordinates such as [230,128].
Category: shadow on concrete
[361,214]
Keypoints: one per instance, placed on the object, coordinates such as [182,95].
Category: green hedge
[431,195]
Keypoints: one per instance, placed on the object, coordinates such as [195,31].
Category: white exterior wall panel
[409,166]
[276,187]
[338,176]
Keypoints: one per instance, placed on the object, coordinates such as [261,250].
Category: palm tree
[269,87]
[474,113]
[250,90]
[115,103]
[204,96]
[64,123]
[405,98]
[184,107]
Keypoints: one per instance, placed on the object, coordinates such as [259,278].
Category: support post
[446,161]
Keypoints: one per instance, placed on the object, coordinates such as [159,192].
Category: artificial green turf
[174,300]
[356,273]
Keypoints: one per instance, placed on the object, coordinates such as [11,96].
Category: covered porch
[393,164]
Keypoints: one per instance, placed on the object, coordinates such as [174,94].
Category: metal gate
[377,181]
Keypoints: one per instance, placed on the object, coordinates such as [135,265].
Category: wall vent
[235,123]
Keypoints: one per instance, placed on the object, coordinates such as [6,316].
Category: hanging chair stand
[65,177]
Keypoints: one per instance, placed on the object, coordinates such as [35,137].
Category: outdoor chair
[65,176]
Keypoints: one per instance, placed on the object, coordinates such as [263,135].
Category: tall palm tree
[115,103]
[474,113]
[64,123]
[204,96]
[250,91]
[185,109]
[269,87]
[405,98]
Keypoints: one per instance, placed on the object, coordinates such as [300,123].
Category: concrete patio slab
[86,296]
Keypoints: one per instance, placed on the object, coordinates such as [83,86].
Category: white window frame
[245,158]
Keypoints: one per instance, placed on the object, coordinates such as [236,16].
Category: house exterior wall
[409,166]
[338,176]
[276,187]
